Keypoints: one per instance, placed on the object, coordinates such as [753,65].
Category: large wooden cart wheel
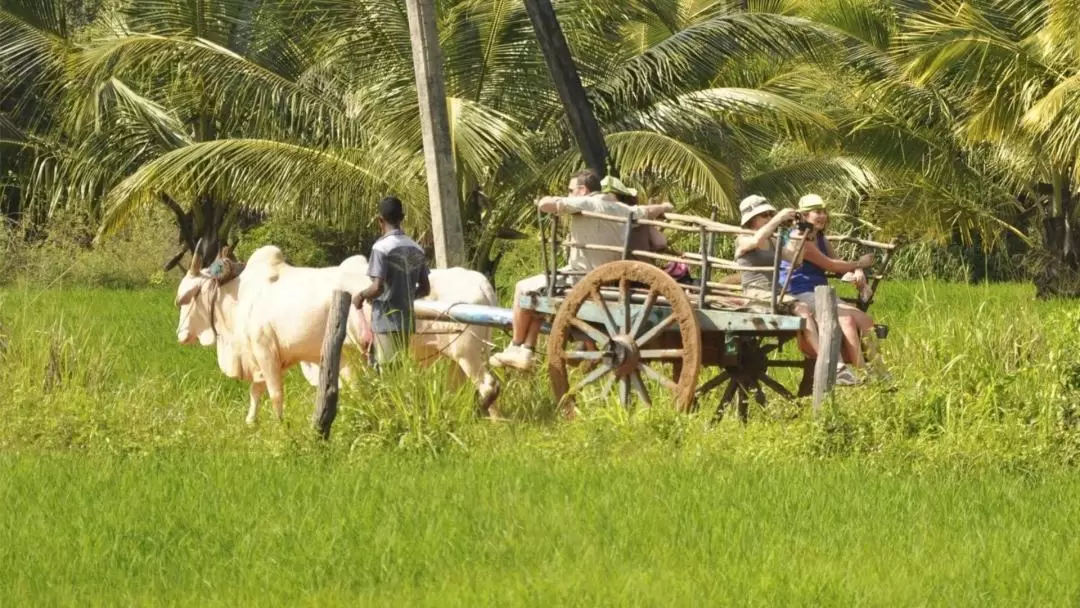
[639,318]
[748,377]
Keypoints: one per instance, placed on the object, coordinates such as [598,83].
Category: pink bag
[678,271]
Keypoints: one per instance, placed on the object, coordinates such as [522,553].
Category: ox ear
[187,295]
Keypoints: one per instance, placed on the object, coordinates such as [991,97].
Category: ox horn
[196,259]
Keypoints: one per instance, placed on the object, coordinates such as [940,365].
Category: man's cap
[614,185]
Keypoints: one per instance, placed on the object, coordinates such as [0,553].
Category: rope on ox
[442,351]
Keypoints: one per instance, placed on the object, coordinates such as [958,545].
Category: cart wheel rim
[627,336]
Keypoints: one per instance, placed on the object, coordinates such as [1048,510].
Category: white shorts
[806,297]
[538,284]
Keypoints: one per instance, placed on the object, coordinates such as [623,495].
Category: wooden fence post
[330,366]
[829,338]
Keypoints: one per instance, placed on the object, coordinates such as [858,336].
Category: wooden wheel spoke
[595,334]
[671,353]
[583,355]
[639,388]
[593,376]
[729,391]
[646,310]
[657,376]
[609,321]
[656,330]
[624,391]
[631,317]
[608,385]
[624,302]
[715,382]
[775,386]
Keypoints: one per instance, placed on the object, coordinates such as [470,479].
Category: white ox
[273,316]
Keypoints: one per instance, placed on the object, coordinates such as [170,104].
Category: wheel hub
[622,354]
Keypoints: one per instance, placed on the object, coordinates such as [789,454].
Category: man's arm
[565,205]
[651,212]
[549,204]
[377,274]
[373,291]
[423,288]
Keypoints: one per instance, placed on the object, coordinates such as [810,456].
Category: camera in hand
[801,224]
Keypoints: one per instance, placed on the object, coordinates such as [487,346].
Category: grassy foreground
[205,530]
[128,476]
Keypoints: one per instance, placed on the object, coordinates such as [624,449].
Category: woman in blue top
[818,259]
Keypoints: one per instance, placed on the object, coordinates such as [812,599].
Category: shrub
[64,254]
[303,243]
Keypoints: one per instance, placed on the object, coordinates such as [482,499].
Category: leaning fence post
[326,401]
[829,340]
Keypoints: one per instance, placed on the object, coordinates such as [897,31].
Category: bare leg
[532,335]
[852,344]
[855,324]
[527,323]
[873,354]
[255,392]
[808,338]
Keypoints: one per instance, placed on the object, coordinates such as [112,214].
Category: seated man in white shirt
[584,195]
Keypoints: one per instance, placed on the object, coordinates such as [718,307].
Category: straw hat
[811,202]
[753,206]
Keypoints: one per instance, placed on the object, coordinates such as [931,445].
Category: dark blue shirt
[400,263]
[807,276]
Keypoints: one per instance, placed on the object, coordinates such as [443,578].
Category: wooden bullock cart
[629,327]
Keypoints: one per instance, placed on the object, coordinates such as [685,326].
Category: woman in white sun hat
[820,258]
[758,250]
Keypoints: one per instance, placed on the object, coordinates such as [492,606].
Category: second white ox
[273,316]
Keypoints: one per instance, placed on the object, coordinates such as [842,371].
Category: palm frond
[256,93]
[261,175]
[835,174]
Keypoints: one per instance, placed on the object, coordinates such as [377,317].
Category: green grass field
[127,476]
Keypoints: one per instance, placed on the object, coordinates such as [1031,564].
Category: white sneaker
[845,377]
[517,357]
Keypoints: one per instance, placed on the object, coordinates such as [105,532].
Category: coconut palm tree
[1011,70]
[309,108]
[209,120]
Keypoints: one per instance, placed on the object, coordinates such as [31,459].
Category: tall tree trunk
[1059,272]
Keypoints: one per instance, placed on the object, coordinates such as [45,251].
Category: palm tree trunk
[1059,275]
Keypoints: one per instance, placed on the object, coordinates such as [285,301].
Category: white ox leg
[470,353]
[256,393]
[272,375]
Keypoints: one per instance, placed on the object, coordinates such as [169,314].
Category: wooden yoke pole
[829,337]
[326,402]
